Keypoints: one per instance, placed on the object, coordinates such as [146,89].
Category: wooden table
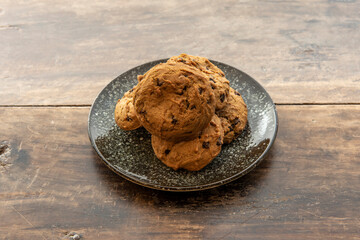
[57,55]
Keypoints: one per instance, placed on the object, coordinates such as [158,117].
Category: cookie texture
[233,116]
[125,115]
[218,82]
[192,155]
[188,107]
[174,101]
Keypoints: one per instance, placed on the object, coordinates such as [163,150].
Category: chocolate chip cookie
[192,155]
[219,83]
[174,101]
[125,115]
[233,116]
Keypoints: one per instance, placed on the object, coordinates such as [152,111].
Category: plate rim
[186,188]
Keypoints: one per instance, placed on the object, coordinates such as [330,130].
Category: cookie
[192,155]
[219,83]
[233,117]
[174,101]
[125,115]
[140,77]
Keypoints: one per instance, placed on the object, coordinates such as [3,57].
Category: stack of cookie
[188,107]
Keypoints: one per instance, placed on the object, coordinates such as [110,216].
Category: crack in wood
[26,220]
[9,26]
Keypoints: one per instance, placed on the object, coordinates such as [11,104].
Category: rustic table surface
[57,55]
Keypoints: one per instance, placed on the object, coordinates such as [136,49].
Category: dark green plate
[129,153]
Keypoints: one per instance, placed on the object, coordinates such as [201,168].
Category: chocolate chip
[236,121]
[181,60]
[143,112]
[236,93]
[128,119]
[206,145]
[158,83]
[213,87]
[167,151]
[200,135]
[193,107]
[173,121]
[222,97]
[218,142]
[185,75]
[201,90]
[183,90]
[211,79]
[187,104]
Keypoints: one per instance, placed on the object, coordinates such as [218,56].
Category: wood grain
[65,52]
[52,183]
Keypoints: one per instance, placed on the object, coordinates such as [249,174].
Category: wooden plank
[65,52]
[52,183]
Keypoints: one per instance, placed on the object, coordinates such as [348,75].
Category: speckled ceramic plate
[129,153]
